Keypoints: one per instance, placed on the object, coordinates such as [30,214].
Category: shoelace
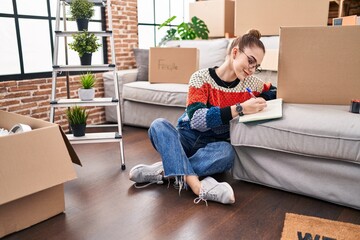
[148,184]
[199,199]
[204,196]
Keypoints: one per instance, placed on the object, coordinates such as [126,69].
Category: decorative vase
[86,94]
[78,130]
[82,24]
[86,59]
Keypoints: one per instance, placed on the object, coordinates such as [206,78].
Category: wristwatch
[239,109]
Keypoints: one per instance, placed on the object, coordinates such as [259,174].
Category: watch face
[239,108]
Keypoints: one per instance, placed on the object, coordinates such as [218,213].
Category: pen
[251,93]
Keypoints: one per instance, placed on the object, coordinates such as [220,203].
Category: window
[152,13]
[27,38]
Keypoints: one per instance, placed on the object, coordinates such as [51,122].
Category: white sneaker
[212,190]
[143,173]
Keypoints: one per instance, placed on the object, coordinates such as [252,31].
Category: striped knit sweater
[209,100]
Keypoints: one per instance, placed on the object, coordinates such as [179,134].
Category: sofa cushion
[166,94]
[212,52]
[325,131]
[142,64]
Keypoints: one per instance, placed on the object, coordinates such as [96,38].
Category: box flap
[72,153]
[32,161]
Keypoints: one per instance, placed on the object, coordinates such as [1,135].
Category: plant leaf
[167,22]
[171,35]
[200,28]
[186,32]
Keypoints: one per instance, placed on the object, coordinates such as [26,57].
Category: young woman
[199,146]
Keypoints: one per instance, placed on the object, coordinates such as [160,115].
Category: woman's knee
[160,126]
[159,123]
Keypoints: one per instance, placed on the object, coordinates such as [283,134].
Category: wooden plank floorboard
[103,204]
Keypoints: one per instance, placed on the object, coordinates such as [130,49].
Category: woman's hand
[253,105]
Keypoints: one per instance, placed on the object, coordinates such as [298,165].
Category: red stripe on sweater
[216,97]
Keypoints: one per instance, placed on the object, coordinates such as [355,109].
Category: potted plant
[85,44]
[185,31]
[87,91]
[81,11]
[77,118]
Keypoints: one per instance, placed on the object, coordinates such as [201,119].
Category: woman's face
[246,61]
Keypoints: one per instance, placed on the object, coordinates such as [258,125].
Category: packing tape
[355,106]
[19,128]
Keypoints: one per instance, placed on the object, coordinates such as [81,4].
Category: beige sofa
[312,150]
[143,102]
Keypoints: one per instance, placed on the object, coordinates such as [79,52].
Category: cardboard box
[218,15]
[270,60]
[319,65]
[268,16]
[172,65]
[346,21]
[33,167]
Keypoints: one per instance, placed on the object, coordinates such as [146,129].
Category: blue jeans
[187,152]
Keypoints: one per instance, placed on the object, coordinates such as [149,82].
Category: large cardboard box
[319,65]
[172,65]
[218,15]
[268,16]
[33,168]
[270,60]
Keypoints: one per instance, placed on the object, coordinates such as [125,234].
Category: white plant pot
[86,94]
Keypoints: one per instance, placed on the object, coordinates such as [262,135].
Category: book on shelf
[273,110]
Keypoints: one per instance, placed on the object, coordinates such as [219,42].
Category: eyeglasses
[252,63]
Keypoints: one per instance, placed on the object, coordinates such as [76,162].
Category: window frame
[155,24]
[16,17]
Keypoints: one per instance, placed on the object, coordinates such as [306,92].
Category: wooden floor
[102,204]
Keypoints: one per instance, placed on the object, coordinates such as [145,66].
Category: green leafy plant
[87,80]
[185,31]
[84,42]
[77,115]
[81,9]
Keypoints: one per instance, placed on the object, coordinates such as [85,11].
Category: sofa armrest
[123,77]
[126,76]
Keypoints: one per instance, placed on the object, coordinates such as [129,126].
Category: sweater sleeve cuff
[225,115]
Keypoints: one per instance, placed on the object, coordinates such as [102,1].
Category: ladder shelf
[98,137]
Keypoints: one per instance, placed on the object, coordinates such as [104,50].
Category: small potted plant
[77,118]
[85,44]
[87,91]
[81,11]
[197,28]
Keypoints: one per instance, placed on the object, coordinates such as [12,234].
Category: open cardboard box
[34,166]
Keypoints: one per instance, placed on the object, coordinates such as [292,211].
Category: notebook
[272,111]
